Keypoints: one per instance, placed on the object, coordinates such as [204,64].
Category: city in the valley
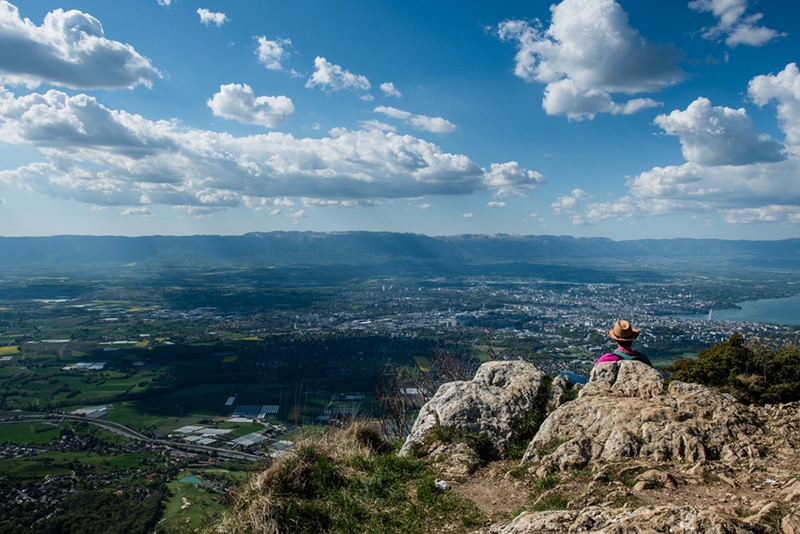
[172,387]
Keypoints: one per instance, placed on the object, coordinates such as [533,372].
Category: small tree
[401,391]
[394,402]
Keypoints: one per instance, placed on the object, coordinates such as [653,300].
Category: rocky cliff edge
[633,452]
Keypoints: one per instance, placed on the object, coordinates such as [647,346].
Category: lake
[775,311]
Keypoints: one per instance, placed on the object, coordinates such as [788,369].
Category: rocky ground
[632,453]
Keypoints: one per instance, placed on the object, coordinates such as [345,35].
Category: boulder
[493,403]
[628,411]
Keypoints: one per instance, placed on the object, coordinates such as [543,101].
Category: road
[123,430]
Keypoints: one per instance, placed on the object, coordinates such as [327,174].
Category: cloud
[564,98]
[393,113]
[420,122]
[164,2]
[237,102]
[339,203]
[262,203]
[496,204]
[69,49]
[101,156]
[783,89]
[510,178]
[716,135]
[764,214]
[140,212]
[734,24]
[274,53]
[568,203]
[389,89]
[467,215]
[329,76]
[377,125]
[588,53]
[731,168]
[210,17]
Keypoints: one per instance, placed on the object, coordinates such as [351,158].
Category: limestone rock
[500,396]
[628,411]
[620,520]
[790,524]
[454,460]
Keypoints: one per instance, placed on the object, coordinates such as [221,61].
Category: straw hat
[623,331]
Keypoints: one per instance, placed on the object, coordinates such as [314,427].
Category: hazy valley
[197,359]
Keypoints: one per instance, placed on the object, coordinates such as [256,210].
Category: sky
[614,118]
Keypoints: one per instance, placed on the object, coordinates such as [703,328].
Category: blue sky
[624,119]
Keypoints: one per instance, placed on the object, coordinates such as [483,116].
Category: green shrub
[527,427]
[755,373]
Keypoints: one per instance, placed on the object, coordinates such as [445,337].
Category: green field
[28,433]
[63,463]
[189,506]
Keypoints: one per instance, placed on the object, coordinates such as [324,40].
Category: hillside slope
[632,452]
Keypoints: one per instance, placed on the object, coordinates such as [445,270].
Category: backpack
[637,356]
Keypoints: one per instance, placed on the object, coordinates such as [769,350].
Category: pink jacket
[609,357]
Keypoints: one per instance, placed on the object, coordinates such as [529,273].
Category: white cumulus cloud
[568,203]
[716,135]
[420,122]
[238,102]
[588,53]
[210,18]
[329,76]
[510,178]
[731,167]
[564,98]
[784,90]
[734,24]
[389,89]
[102,156]
[273,53]
[69,49]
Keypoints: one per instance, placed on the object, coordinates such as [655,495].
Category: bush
[758,372]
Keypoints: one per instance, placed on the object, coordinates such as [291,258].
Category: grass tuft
[477,442]
[346,481]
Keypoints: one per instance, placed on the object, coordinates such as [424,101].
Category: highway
[123,430]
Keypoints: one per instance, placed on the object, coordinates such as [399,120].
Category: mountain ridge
[361,248]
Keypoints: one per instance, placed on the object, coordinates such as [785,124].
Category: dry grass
[344,481]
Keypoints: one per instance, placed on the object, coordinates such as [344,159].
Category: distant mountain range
[283,249]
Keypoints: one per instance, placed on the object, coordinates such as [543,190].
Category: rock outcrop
[628,411]
[634,452]
[622,521]
[492,405]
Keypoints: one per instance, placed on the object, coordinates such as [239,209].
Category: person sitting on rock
[624,334]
